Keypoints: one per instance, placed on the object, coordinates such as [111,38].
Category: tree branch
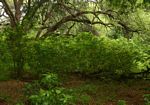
[9,13]
[73,17]
[18,4]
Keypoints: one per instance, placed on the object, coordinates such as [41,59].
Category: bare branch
[68,31]
[18,13]
[73,17]
[9,13]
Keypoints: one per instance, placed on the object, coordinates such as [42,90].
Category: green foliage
[5,60]
[50,97]
[121,102]
[126,4]
[143,59]
[83,53]
[50,80]
[15,42]
[147,99]
[50,93]
[31,88]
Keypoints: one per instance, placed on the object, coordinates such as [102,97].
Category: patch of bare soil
[74,81]
[11,92]
[134,94]
[2,102]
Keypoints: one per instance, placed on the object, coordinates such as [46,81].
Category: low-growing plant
[121,102]
[50,81]
[49,92]
[147,99]
[51,97]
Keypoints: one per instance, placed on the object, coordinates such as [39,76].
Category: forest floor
[106,92]
[11,92]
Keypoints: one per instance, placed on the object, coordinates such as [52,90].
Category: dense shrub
[5,59]
[83,53]
[6,62]
[143,59]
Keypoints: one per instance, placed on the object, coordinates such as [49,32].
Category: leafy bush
[147,99]
[50,97]
[6,62]
[143,60]
[49,92]
[83,53]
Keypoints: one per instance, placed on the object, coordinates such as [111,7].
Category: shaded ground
[106,92]
[109,92]
[133,92]
[11,92]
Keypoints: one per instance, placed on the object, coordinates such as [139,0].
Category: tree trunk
[16,46]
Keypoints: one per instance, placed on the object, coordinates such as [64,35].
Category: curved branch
[73,17]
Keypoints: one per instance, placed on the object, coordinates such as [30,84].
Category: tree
[47,17]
